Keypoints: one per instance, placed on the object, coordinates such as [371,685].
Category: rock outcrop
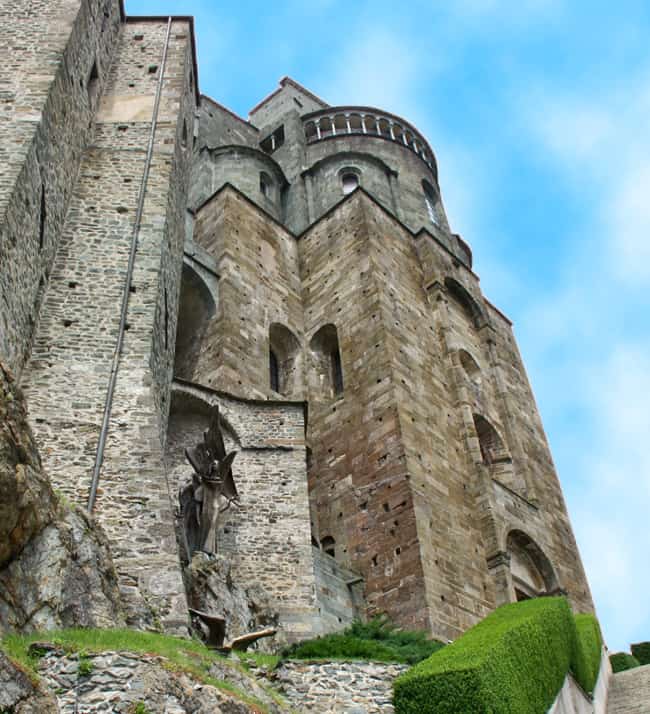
[55,563]
[19,694]
[124,682]
[211,589]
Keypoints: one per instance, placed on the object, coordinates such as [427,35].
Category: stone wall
[267,536]
[350,687]
[67,378]
[259,285]
[120,682]
[339,593]
[47,104]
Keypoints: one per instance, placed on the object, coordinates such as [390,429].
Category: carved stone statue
[210,491]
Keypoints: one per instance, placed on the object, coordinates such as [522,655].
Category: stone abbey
[161,256]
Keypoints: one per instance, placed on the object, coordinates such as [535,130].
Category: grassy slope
[183,655]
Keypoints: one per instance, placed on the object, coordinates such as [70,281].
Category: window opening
[273,141]
[328,544]
[41,228]
[349,181]
[166,322]
[274,371]
[337,371]
[265,185]
[93,84]
[430,201]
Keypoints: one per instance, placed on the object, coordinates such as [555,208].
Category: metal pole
[99,458]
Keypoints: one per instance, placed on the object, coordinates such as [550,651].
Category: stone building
[160,255]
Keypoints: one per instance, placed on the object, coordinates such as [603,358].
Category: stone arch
[326,374]
[189,415]
[328,545]
[496,457]
[470,366]
[492,446]
[197,307]
[531,571]
[284,355]
[460,294]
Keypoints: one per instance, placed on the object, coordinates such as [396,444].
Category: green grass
[188,656]
[377,640]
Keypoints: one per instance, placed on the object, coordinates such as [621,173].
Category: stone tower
[160,255]
[341,285]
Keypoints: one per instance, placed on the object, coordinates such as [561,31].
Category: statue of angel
[210,491]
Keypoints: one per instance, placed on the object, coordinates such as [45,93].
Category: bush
[375,640]
[586,661]
[621,661]
[642,652]
[514,661]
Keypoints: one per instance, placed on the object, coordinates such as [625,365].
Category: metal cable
[99,457]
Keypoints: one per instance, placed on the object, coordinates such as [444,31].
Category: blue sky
[539,114]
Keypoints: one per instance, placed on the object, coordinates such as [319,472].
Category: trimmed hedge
[589,644]
[376,640]
[621,661]
[512,662]
[642,652]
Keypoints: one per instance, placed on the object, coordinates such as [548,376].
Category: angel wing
[213,437]
[224,473]
[199,458]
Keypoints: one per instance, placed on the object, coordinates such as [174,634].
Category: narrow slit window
[430,201]
[43,216]
[337,372]
[274,371]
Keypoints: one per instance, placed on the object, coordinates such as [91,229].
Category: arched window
[456,291]
[349,180]
[430,200]
[327,373]
[328,544]
[92,84]
[266,185]
[274,371]
[283,354]
[495,455]
[470,366]
[531,571]
[196,309]
[493,450]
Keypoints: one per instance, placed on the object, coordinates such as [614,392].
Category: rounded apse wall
[251,171]
[391,172]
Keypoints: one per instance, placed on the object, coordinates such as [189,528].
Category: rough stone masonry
[296,268]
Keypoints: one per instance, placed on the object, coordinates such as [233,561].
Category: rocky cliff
[55,564]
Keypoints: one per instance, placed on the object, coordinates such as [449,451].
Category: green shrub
[586,661]
[642,652]
[375,640]
[513,662]
[621,661]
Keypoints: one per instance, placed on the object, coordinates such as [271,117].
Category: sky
[538,112]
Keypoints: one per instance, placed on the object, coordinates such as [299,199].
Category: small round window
[349,181]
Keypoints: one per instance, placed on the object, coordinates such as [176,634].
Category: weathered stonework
[378,402]
[55,563]
[350,687]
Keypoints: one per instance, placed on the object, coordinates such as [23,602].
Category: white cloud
[379,69]
[611,521]
[599,141]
